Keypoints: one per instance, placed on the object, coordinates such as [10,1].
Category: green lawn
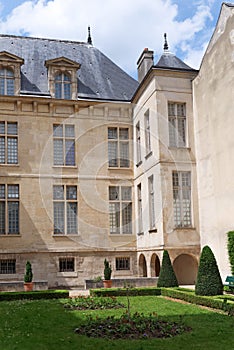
[46,325]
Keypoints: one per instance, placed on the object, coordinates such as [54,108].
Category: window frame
[63,83]
[9,212]
[122,263]
[62,219]
[182,199]
[148,149]
[64,139]
[138,144]
[118,224]
[119,143]
[6,149]
[66,261]
[139,209]
[10,270]
[151,195]
[7,80]
[176,122]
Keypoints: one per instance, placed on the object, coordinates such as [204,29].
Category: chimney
[144,63]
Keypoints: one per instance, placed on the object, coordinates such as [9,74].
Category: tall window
[139,202]
[118,147]
[8,143]
[182,198]
[177,124]
[138,140]
[151,202]
[7,82]
[120,209]
[64,145]
[7,266]
[65,209]
[63,86]
[9,209]
[147,133]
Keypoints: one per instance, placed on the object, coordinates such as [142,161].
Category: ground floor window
[122,263]
[7,266]
[66,264]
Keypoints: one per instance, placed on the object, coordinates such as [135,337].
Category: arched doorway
[185,267]
[142,266]
[155,265]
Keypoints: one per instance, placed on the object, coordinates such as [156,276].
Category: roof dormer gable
[63,62]
[9,57]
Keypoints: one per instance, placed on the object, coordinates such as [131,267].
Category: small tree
[167,277]
[107,270]
[231,249]
[209,281]
[28,273]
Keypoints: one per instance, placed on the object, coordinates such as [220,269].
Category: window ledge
[67,274]
[120,234]
[153,230]
[65,166]
[65,234]
[148,155]
[190,228]
[118,168]
[139,163]
[10,235]
[181,147]
[7,164]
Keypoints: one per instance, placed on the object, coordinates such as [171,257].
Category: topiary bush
[209,281]
[167,277]
[231,250]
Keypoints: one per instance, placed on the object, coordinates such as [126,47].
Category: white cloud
[121,29]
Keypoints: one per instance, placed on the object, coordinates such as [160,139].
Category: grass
[47,325]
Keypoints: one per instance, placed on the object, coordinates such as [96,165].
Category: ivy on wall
[231,249]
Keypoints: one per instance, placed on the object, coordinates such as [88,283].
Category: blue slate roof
[98,77]
[170,61]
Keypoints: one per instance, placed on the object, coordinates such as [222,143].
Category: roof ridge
[48,39]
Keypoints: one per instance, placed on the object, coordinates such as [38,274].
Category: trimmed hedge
[35,295]
[231,249]
[136,291]
[167,277]
[209,281]
[217,302]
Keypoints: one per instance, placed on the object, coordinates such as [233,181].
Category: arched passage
[185,267]
[142,266]
[155,265]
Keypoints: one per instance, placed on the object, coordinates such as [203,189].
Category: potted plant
[107,274]
[28,284]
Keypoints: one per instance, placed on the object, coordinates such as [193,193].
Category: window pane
[7,266]
[124,154]
[122,263]
[2,128]
[58,130]
[2,192]
[126,193]
[113,154]
[69,131]
[13,191]
[66,265]
[172,132]
[2,89]
[114,217]
[70,152]
[58,152]
[59,217]
[58,77]
[12,148]
[112,133]
[113,193]
[58,192]
[123,134]
[2,150]
[67,77]
[127,218]
[10,87]
[12,129]
[2,218]
[171,109]
[58,90]
[71,217]
[67,91]
[71,192]
[13,217]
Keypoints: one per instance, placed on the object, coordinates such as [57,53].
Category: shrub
[209,281]
[45,294]
[107,270]
[167,277]
[28,273]
[231,249]
[140,291]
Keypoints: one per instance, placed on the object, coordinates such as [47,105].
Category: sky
[121,29]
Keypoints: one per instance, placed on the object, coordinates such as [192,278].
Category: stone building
[96,165]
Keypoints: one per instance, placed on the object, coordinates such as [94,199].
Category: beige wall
[213,107]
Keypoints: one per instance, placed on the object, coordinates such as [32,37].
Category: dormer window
[10,73]
[62,78]
[63,86]
[7,82]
